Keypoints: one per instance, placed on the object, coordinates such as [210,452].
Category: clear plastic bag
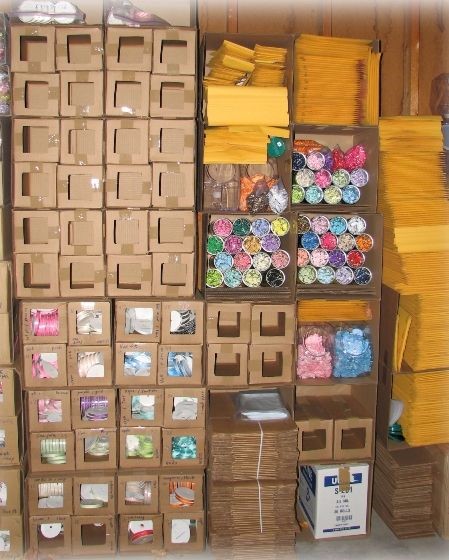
[125,13]
[60,12]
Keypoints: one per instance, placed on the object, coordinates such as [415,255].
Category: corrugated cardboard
[127,93]
[129,275]
[35,464]
[59,546]
[85,462]
[32,48]
[36,140]
[5,287]
[169,308]
[172,140]
[81,232]
[126,545]
[79,48]
[26,321]
[195,380]
[12,480]
[36,231]
[33,422]
[197,540]
[137,509]
[123,380]
[93,536]
[82,276]
[126,232]
[33,495]
[102,311]
[109,479]
[315,430]
[228,323]
[31,382]
[167,439]
[191,478]
[127,141]
[6,334]
[74,353]
[120,321]
[174,51]
[172,232]
[227,365]
[34,185]
[36,275]
[126,417]
[128,186]
[173,275]
[173,185]
[273,324]
[172,394]
[78,423]
[11,403]
[271,364]
[173,97]
[82,94]
[11,453]
[82,141]
[139,462]
[80,186]
[36,95]
[129,48]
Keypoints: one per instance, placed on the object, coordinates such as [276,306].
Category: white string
[258,483]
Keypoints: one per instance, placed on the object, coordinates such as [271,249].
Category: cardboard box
[51,442]
[81,94]
[89,323]
[6,160]
[172,231]
[127,141]
[11,491]
[89,366]
[6,331]
[129,48]
[35,95]
[334,499]
[43,408]
[36,231]
[5,287]
[169,439]
[79,48]
[32,48]
[129,441]
[127,93]
[173,275]
[11,396]
[173,97]
[11,437]
[51,535]
[132,375]
[85,439]
[82,141]
[182,322]
[11,527]
[94,487]
[81,232]
[84,400]
[36,275]
[227,365]
[228,323]
[80,186]
[129,275]
[48,358]
[174,51]
[126,232]
[35,315]
[5,234]
[315,430]
[273,324]
[137,321]
[131,525]
[40,488]
[271,364]
[34,185]
[185,407]
[138,405]
[172,140]
[175,533]
[128,186]
[180,365]
[93,536]
[173,185]
[125,506]
[191,499]
[82,276]
[36,140]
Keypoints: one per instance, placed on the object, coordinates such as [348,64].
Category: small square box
[89,366]
[32,48]
[137,321]
[81,232]
[44,366]
[181,491]
[93,536]
[96,449]
[227,365]
[183,447]
[81,94]
[49,411]
[173,185]
[271,364]
[93,408]
[5,287]
[129,275]
[36,275]
[126,232]
[140,447]
[315,431]
[128,186]
[173,97]
[43,322]
[36,231]
[92,489]
[132,527]
[82,276]
[185,407]
[228,323]
[6,332]
[172,231]
[172,140]
[175,527]
[12,528]
[11,491]
[81,141]
[136,364]
[137,492]
[79,48]
[11,438]
[174,51]
[80,186]
[89,323]
[36,140]
[51,452]
[273,324]
[34,185]
[51,535]
[127,93]
[353,438]
[11,401]
[127,141]
[51,494]
[173,275]
[129,48]
[180,365]
[36,95]
[182,322]
[141,407]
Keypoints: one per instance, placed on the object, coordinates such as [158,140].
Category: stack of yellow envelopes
[334,310]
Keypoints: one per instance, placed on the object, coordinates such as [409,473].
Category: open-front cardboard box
[36,275]
[173,275]
[5,287]
[79,48]
[36,231]
[129,414]
[93,536]
[126,232]
[11,431]
[45,400]
[82,141]
[127,330]
[36,95]
[51,535]
[127,141]
[172,140]
[81,94]
[96,312]
[128,441]
[172,231]
[227,365]
[179,314]
[175,533]
[192,498]
[125,351]
[82,276]
[11,483]
[173,185]
[175,416]
[80,421]
[127,93]
[54,354]
[173,97]
[41,487]
[129,507]
[228,323]
[81,232]
[270,364]
[84,439]
[30,317]
[48,441]
[130,525]
[11,403]
[34,185]
[129,48]
[169,438]
[32,48]
[315,430]
[129,275]
[89,366]
[94,486]
[12,525]
[80,186]
[175,360]
[272,324]
[128,186]
[36,140]
[174,51]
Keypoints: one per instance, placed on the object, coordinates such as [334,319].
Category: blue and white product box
[334,499]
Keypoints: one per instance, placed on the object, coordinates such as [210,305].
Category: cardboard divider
[228,323]
[11,404]
[36,275]
[80,186]
[129,507]
[37,401]
[149,331]
[174,51]
[47,442]
[170,437]
[80,416]
[169,498]
[35,95]
[127,141]
[79,48]
[82,141]
[180,365]
[129,48]
[174,397]
[43,354]
[196,540]
[173,185]
[182,322]
[135,524]
[89,366]
[59,531]
[128,186]
[41,487]
[32,48]
[81,94]
[130,412]
[34,185]
[82,276]
[93,536]
[131,376]
[94,486]
[86,438]
[129,275]
[128,437]
[127,93]
[29,321]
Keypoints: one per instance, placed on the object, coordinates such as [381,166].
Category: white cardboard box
[334,499]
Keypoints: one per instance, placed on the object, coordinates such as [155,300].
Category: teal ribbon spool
[276,147]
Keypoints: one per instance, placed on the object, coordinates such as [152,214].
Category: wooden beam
[411,60]
[233,16]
